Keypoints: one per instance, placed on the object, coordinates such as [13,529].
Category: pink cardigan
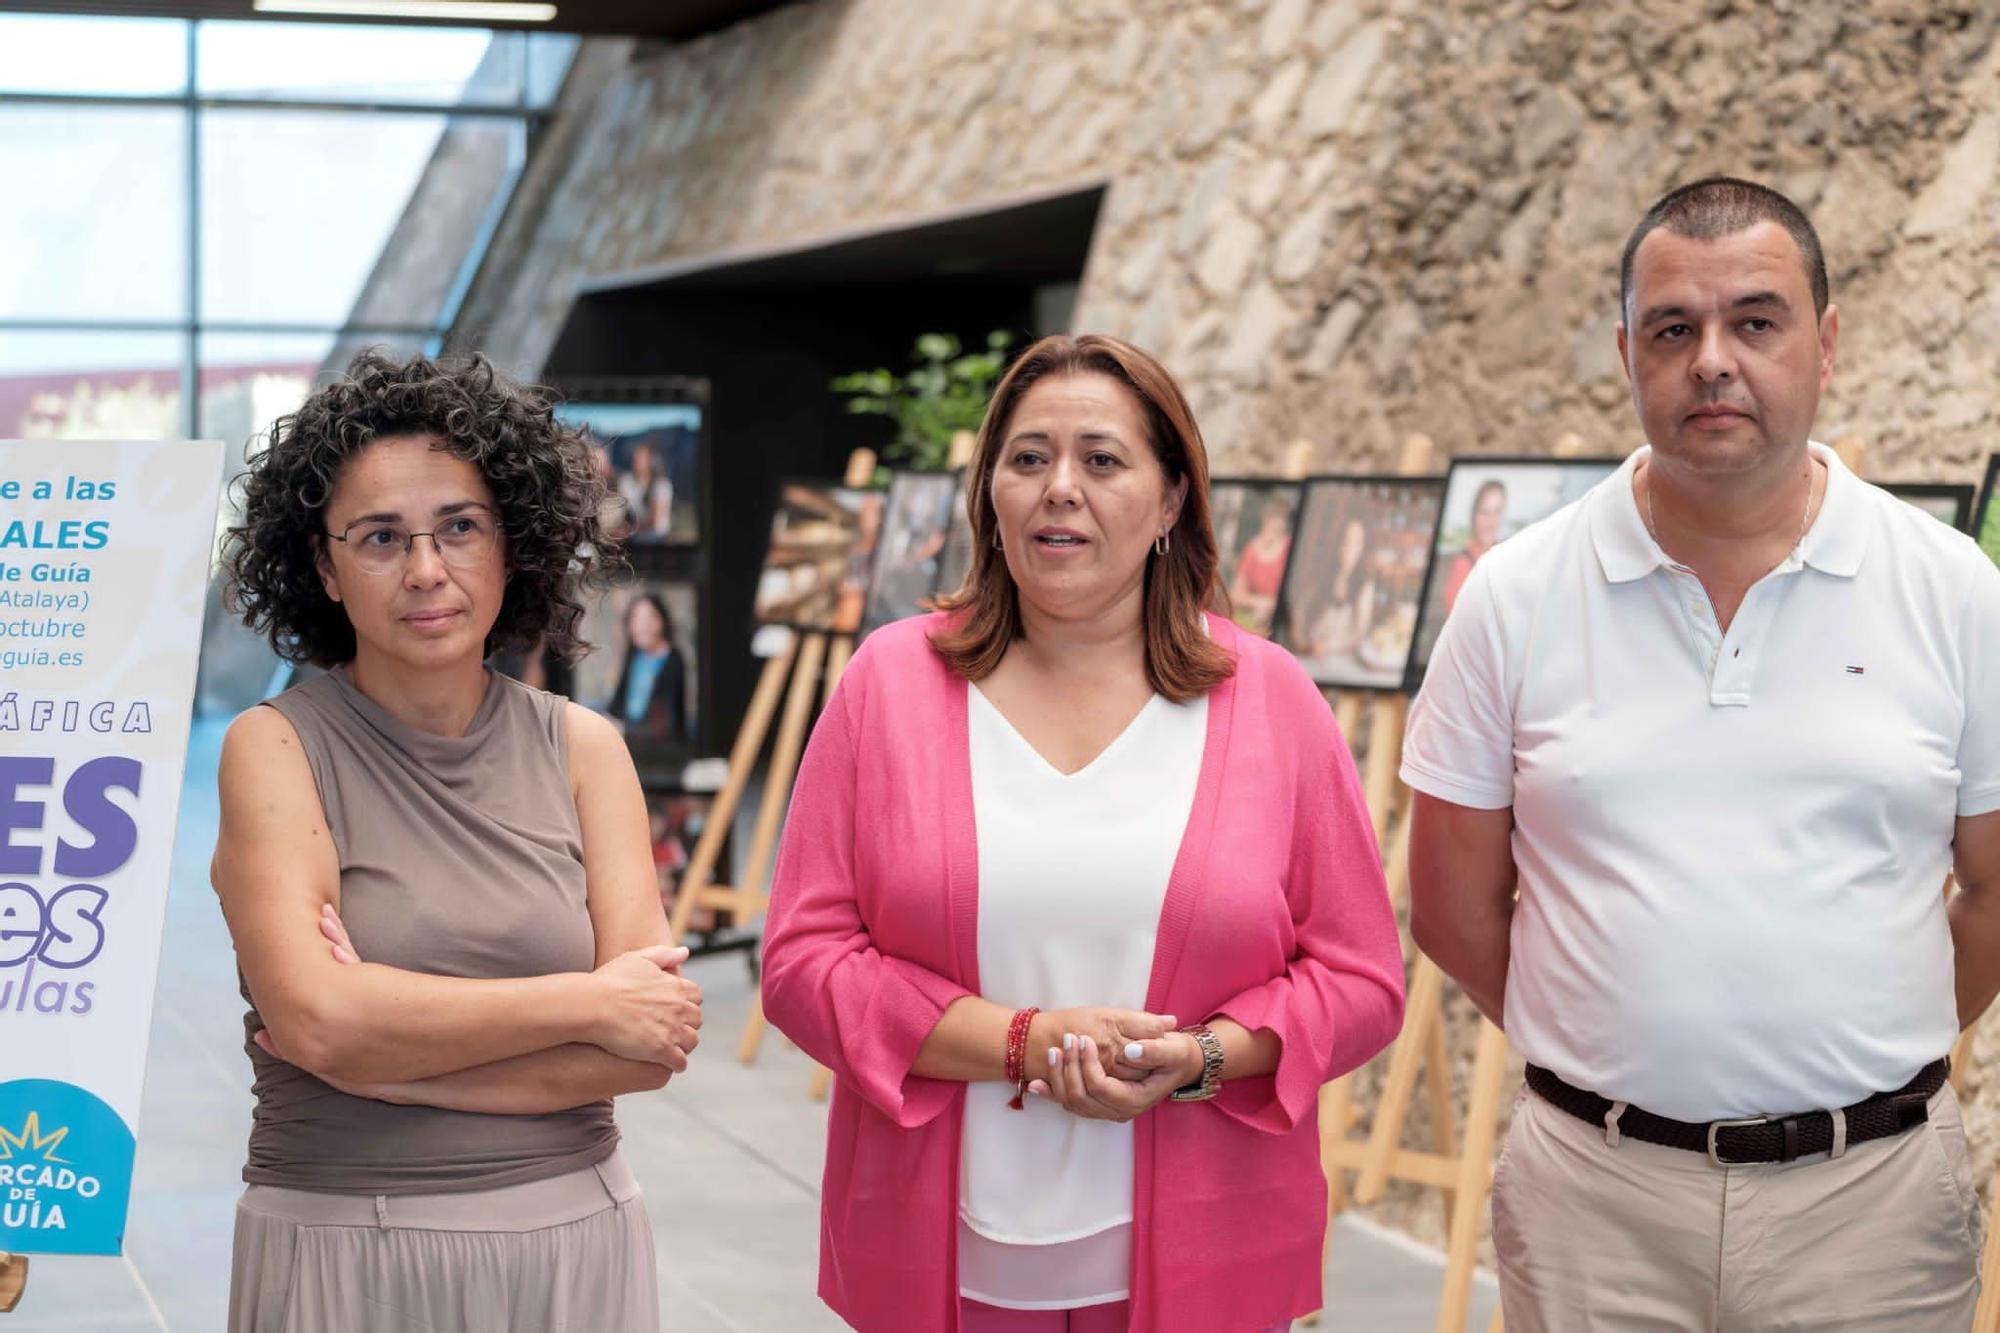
[1276,915]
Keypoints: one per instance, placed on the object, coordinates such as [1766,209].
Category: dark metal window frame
[191,328]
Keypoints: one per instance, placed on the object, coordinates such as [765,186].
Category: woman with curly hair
[438,880]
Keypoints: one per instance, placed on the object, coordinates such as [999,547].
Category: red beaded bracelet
[1017,1054]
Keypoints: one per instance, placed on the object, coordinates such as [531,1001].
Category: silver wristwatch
[1211,1066]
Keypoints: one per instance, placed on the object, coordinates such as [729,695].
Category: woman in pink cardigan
[1079,900]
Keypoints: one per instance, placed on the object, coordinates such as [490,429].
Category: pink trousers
[974,1317]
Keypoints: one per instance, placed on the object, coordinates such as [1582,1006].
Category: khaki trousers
[1637,1236]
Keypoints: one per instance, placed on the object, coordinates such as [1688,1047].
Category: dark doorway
[768,330]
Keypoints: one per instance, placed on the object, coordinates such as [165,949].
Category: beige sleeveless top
[460,857]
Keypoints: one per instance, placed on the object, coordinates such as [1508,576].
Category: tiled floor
[729,1155]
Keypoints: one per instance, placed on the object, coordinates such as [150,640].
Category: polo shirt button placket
[1702,614]
[1729,679]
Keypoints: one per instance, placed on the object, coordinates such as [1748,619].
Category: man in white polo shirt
[1725,723]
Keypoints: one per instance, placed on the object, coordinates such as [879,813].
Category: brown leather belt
[1762,1138]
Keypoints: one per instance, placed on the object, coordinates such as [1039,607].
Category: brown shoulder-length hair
[1182,661]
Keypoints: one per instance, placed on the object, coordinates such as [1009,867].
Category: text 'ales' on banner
[104,560]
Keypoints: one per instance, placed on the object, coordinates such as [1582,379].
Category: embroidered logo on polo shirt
[1855,671]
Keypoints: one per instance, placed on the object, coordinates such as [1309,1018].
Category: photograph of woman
[650,700]
[955,561]
[1080,901]
[1347,609]
[648,494]
[1486,501]
[648,452]
[1350,604]
[1253,528]
[650,644]
[907,564]
[1489,516]
[439,881]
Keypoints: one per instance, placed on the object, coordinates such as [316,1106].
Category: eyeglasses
[462,541]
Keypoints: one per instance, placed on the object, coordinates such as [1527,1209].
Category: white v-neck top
[1073,869]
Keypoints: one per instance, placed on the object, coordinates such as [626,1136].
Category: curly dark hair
[548,496]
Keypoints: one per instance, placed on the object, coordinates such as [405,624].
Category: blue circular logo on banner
[65,1170]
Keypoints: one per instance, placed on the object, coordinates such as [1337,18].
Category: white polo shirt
[1731,847]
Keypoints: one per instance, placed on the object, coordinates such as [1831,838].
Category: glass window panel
[354,62]
[249,380]
[47,53]
[90,386]
[353,342]
[549,56]
[97,196]
[297,206]
[452,208]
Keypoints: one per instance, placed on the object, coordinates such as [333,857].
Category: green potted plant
[944,393]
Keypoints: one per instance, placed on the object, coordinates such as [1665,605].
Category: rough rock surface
[1342,222]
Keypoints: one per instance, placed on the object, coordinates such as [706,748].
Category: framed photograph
[649,454]
[675,821]
[1942,501]
[816,568]
[956,561]
[909,558]
[1486,501]
[1255,521]
[1986,527]
[1349,603]
[644,666]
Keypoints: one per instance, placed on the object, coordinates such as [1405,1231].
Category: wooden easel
[812,663]
[1461,1173]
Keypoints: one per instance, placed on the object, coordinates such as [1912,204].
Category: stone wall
[1340,221]
[1337,221]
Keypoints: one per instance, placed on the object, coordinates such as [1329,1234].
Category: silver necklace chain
[1805,518]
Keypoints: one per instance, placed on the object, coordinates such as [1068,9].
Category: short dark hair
[548,496]
[1722,206]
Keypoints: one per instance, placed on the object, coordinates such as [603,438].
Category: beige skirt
[573,1253]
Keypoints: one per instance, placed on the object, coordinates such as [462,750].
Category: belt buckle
[1717,1126]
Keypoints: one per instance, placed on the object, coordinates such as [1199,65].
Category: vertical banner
[104,558]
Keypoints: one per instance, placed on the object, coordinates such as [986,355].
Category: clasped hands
[647,1011]
[1108,1064]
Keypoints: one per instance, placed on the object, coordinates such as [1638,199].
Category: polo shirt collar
[1624,548]
[1626,551]
[1838,538]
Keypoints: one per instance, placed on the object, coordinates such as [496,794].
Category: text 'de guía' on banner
[105,551]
